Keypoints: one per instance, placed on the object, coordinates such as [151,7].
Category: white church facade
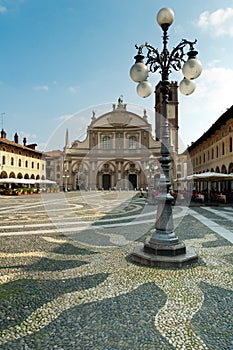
[118,153]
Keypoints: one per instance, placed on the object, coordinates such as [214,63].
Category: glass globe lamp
[144,89]
[192,68]
[165,16]
[187,86]
[139,72]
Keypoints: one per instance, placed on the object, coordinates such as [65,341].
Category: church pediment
[119,119]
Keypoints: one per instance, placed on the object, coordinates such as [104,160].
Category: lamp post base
[164,249]
[176,256]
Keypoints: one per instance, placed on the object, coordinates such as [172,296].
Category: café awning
[210,176]
[13,180]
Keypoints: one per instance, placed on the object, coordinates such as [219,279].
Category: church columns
[92,175]
[119,171]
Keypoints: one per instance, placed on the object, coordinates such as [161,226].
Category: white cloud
[73,89]
[28,136]
[212,97]
[215,89]
[3,9]
[219,22]
[41,88]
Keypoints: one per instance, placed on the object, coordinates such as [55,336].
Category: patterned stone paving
[61,293]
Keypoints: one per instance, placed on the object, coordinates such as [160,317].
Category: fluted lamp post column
[150,179]
[164,248]
[151,169]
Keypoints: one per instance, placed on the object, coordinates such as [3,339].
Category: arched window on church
[106,142]
[132,142]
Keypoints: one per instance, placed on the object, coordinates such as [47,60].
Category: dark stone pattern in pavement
[18,299]
[123,322]
[40,264]
[213,323]
[224,222]
[191,228]
[34,243]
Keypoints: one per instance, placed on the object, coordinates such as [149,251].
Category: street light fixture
[164,248]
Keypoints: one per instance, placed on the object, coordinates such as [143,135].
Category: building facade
[181,171]
[20,161]
[115,154]
[213,152]
[54,166]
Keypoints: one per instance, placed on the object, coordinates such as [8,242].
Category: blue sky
[69,57]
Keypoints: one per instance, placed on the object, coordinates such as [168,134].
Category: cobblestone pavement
[67,280]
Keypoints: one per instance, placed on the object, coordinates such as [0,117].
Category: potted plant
[30,190]
[19,191]
[8,191]
[25,190]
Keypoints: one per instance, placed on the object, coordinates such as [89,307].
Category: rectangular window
[106,142]
[132,142]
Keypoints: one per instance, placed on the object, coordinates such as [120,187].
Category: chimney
[16,138]
[3,134]
[24,141]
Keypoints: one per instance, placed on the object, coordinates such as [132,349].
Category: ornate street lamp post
[164,248]
[150,194]
[151,170]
